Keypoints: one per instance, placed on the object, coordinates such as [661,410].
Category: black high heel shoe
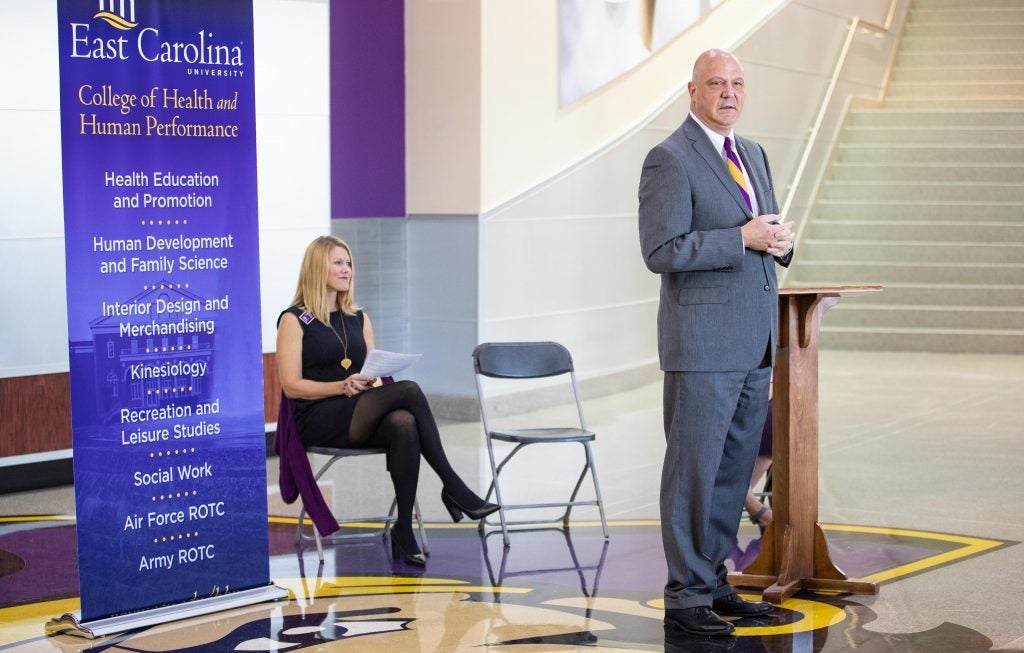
[409,553]
[456,511]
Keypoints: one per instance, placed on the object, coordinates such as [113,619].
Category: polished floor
[921,490]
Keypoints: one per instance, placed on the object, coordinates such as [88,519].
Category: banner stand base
[68,624]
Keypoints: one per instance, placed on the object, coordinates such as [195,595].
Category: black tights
[397,417]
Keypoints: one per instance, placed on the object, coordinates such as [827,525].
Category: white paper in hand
[386,363]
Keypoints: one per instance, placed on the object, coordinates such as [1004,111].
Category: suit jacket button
[766,287]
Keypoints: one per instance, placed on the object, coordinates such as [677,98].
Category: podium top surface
[829,290]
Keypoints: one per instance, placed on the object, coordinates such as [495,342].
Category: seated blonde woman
[322,341]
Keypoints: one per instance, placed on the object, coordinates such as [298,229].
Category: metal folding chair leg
[597,489]
[417,517]
[579,483]
[337,537]
[504,522]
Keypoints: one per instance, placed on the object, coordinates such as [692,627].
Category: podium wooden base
[793,575]
[794,552]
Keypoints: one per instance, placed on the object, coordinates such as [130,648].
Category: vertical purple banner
[160,215]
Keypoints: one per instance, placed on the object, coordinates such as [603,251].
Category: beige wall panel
[442,102]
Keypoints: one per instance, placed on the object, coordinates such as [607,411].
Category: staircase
[925,194]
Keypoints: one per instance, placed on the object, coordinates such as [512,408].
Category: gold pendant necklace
[346,362]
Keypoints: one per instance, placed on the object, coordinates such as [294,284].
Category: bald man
[709,226]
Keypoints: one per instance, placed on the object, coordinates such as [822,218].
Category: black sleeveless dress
[325,422]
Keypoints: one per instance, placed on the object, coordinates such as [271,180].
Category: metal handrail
[820,118]
[823,111]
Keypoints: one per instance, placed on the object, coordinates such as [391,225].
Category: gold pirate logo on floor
[398,614]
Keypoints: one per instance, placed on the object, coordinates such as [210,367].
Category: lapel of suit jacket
[715,160]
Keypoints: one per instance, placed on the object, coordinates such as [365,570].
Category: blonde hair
[311,293]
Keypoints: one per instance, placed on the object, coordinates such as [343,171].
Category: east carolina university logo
[202,48]
[123,18]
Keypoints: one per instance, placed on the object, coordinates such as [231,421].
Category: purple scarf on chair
[296,475]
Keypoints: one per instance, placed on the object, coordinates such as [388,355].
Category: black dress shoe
[456,510]
[696,621]
[731,605]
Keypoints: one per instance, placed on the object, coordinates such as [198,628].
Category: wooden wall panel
[35,411]
[35,414]
[271,388]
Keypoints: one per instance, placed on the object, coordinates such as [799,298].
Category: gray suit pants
[713,423]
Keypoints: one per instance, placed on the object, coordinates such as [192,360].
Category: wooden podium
[794,553]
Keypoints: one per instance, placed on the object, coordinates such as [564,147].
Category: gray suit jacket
[719,301]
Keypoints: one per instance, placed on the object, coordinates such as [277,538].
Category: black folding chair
[533,360]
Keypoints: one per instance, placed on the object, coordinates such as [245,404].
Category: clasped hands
[356,383]
[767,233]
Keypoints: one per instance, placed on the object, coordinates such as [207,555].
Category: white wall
[291,50]
[526,138]
[292,143]
[484,123]
[32,286]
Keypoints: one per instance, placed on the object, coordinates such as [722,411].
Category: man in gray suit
[709,227]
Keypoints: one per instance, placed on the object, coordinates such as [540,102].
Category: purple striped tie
[733,163]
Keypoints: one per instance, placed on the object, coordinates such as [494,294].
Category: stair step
[950,103]
[920,210]
[930,231]
[951,74]
[1008,89]
[925,194]
[964,154]
[979,341]
[924,172]
[912,251]
[933,294]
[958,4]
[925,191]
[909,44]
[929,135]
[907,58]
[1010,29]
[889,118]
[958,15]
[860,273]
[857,313]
